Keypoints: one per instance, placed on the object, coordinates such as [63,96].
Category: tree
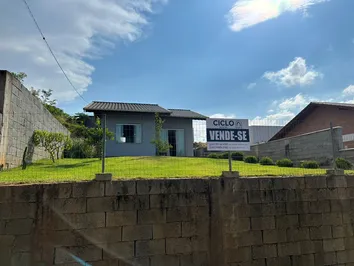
[52,142]
[162,146]
[95,136]
[19,75]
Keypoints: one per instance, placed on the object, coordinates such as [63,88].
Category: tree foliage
[52,142]
[162,146]
[19,75]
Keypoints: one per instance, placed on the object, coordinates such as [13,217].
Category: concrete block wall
[222,222]
[312,146]
[22,113]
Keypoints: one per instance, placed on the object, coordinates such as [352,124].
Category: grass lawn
[140,167]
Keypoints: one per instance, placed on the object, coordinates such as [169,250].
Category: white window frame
[130,124]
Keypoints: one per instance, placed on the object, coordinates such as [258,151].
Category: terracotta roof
[125,107]
[303,114]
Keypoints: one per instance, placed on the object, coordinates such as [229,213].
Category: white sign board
[227,134]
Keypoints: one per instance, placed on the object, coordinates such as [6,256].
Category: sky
[263,60]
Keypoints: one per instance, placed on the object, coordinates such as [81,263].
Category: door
[180,149]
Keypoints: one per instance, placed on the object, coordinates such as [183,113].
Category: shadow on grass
[68,166]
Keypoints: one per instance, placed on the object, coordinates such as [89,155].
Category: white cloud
[247,13]
[349,91]
[277,119]
[295,103]
[77,30]
[223,116]
[251,85]
[297,73]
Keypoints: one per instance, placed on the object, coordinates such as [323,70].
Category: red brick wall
[321,117]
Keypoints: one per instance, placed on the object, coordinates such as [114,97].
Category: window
[128,133]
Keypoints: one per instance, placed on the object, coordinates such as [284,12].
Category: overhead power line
[51,51]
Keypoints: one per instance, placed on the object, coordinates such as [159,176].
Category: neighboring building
[133,125]
[21,114]
[318,116]
[261,134]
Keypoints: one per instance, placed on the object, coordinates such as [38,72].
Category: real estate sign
[227,134]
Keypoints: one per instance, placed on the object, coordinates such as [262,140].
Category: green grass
[141,167]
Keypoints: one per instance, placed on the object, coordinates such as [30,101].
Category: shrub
[224,155]
[266,161]
[80,149]
[342,163]
[213,156]
[310,164]
[285,163]
[251,159]
[237,156]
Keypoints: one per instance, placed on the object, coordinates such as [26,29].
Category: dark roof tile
[125,107]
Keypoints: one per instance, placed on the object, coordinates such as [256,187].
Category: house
[318,116]
[133,125]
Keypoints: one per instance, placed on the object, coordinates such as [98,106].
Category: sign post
[227,135]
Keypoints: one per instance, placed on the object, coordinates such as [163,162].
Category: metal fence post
[333,147]
[230,162]
[103,142]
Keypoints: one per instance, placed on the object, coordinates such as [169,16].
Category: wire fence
[131,150]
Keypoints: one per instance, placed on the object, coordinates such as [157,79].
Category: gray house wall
[145,148]
[147,122]
[185,124]
[21,114]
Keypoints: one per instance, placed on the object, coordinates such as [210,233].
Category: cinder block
[342,231]
[263,223]
[150,247]
[88,253]
[178,246]
[311,246]
[153,216]
[337,181]
[136,202]
[259,262]
[350,181]
[195,259]
[264,251]
[71,205]
[159,260]
[311,219]
[120,250]
[334,218]
[330,245]
[300,207]
[25,193]
[237,225]
[346,256]
[279,261]
[274,236]
[298,234]
[134,261]
[88,189]
[17,210]
[137,232]
[287,221]
[243,239]
[185,214]
[309,195]
[308,260]
[6,241]
[146,187]
[23,258]
[245,184]
[340,205]
[102,235]
[119,188]
[315,182]
[66,238]
[287,249]
[234,197]
[241,254]
[19,226]
[200,243]
[328,258]
[57,191]
[195,229]
[79,221]
[320,232]
[167,230]
[102,204]
[120,218]
[256,196]
[176,200]
[322,206]
[21,243]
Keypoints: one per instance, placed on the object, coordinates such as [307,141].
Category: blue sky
[257,59]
